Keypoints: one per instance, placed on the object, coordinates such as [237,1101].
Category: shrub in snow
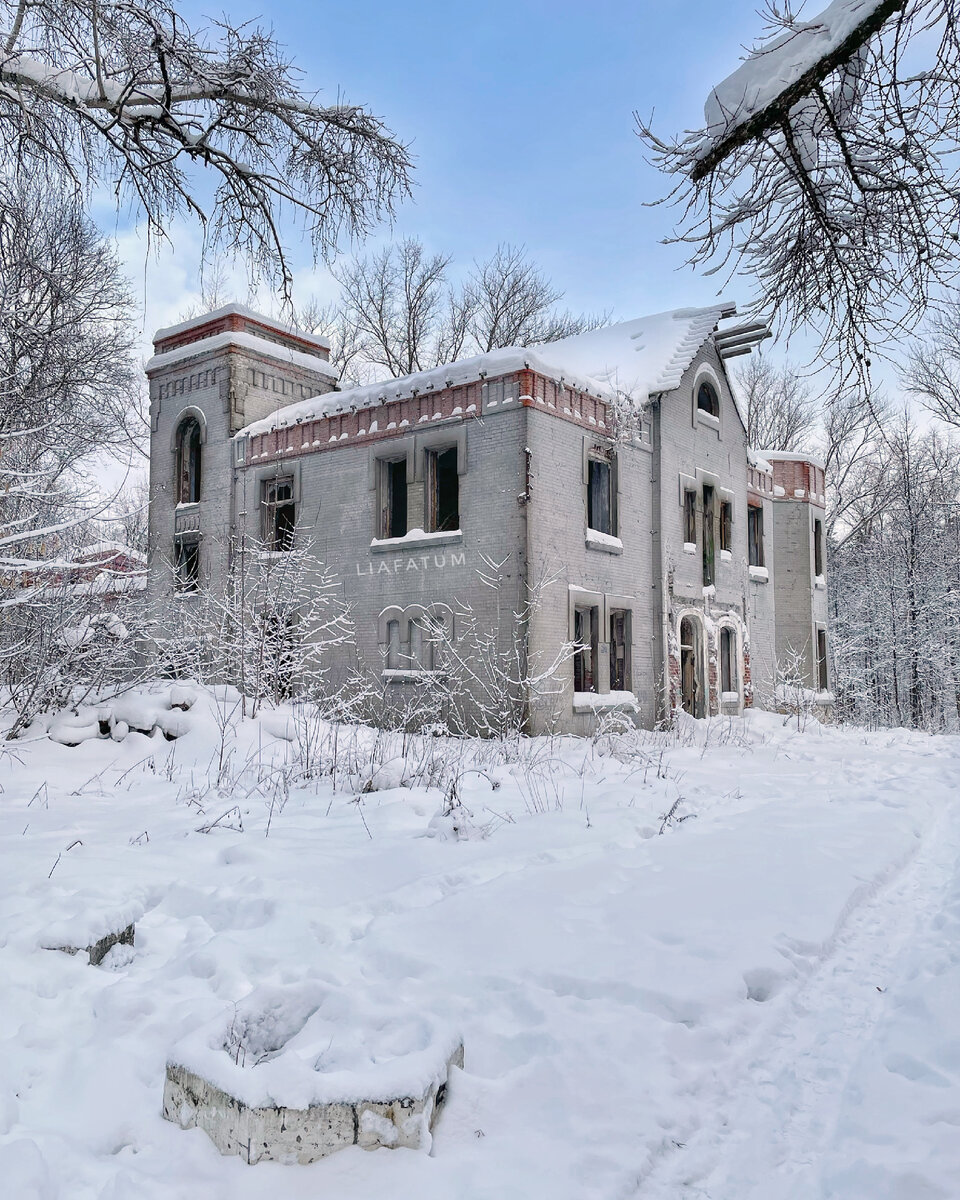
[293,1074]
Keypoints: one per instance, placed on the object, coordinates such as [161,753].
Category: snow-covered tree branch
[826,170]
[97,91]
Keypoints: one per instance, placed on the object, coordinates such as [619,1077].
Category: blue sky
[520,118]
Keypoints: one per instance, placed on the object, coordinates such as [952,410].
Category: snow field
[693,1014]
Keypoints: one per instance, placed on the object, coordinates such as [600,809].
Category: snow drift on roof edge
[636,358]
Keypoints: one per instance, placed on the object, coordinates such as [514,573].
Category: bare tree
[512,303]
[933,372]
[398,313]
[826,169]
[780,409]
[94,90]
[394,299]
[69,387]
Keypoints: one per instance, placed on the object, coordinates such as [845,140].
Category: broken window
[707,399]
[690,517]
[393,498]
[726,525]
[755,535]
[600,501]
[823,673]
[728,659]
[443,490]
[279,514]
[818,547]
[619,650]
[189,441]
[586,636]
[709,552]
[187,564]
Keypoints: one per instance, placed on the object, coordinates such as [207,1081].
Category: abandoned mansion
[589,510]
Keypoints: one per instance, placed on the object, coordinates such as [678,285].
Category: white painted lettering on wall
[415,562]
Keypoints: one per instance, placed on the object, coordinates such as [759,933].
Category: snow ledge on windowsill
[689,547]
[595,540]
[820,583]
[415,538]
[584,702]
[759,574]
[729,697]
[395,675]
[726,556]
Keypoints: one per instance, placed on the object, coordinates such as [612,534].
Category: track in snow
[771,1106]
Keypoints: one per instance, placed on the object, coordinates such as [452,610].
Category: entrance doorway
[692,694]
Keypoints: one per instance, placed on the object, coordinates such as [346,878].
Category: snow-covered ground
[763,1000]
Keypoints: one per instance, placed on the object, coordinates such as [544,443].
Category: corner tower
[209,377]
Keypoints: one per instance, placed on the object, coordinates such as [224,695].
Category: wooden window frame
[755,550]
[390,512]
[278,532]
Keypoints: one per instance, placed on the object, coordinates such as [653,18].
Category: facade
[583,521]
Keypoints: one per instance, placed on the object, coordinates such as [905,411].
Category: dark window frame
[823,667]
[586,636]
[189,465]
[729,675]
[278,513]
[708,399]
[817,546]
[709,535]
[689,517]
[620,667]
[602,495]
[726,526]
[186,564]
[392,492]
[755,535]
[442,476]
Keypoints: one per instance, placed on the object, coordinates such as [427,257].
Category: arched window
[189,439]
[707,399]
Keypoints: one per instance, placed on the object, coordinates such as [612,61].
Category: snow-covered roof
[638,358]
[775,65]
[793,456]
[240,310]
[108,550]
[247,341]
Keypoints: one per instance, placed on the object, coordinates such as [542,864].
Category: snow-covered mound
[312,1043]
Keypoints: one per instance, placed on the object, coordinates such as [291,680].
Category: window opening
[619,650]
[279,513]
[187,565]
[443,483]
[709,552]
[728,660]
[393,497]
[818,547]
[823,677]
[726,525]
[707,399]
[600,515]
[586,632]
[690,517]
[188,461]
[755,535]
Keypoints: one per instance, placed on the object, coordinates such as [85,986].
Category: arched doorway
[692,692]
